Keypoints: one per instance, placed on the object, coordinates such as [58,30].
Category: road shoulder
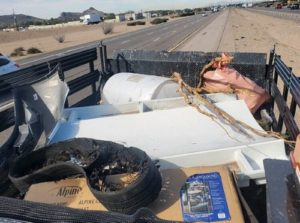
[209,38]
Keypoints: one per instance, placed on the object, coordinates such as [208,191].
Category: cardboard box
[75,193]
[168,205]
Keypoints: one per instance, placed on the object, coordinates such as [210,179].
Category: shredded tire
[95,160]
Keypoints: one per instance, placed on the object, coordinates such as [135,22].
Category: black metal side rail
[31,74]
[291,90]
[35,72]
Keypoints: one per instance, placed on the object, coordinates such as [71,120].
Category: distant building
[129,16]
[120,18]
[134,16]
[147,15]
[9,30]
[137,16]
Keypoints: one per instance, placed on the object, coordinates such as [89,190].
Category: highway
[160,37]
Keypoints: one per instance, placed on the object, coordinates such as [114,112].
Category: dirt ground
[253,32]
[240,30]
[45,41]
[248,31]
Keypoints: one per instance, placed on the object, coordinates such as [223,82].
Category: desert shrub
[60,38]
[19,49]
[140,23]
[107,27]
[186,14]
[137,23]
[15,54]
[33,50]
[18,52]
[131,24]
[159,20]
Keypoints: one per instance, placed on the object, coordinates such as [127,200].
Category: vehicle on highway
[294,6]
[268,5]
[7,65]
[247,5]
[91,19]
[215,9]
[278,5]
[203,14]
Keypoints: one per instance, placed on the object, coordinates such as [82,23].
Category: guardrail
[290,95]
[279,14]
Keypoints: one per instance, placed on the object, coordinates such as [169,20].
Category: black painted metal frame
[286,101]
[35,72]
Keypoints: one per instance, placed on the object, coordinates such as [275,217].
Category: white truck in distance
[90,19]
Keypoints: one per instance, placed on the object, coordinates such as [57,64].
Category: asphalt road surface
[159,37]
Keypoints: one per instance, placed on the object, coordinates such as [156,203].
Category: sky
[52,8]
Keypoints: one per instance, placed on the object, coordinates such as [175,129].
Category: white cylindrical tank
[128,87]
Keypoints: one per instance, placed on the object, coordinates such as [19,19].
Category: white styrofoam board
[179,136]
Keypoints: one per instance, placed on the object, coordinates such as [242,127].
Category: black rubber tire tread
[139,200]
[46,213]
[144,191]
[52,172]
[139,194]
[136,195]
[8,189]
[7,154]
[144,180]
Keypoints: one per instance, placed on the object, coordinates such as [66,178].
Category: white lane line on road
[158,38]
[126,41]
[150,33]
[174,31]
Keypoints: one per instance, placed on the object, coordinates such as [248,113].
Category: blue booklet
[203,198]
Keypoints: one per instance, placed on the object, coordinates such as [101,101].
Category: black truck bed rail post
[29,74]
[270,69]
[291,90]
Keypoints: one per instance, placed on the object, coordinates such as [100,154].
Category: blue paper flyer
[203,198]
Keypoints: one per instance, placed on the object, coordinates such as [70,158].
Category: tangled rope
[218,113]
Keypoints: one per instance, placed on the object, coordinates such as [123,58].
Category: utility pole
[15,21]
